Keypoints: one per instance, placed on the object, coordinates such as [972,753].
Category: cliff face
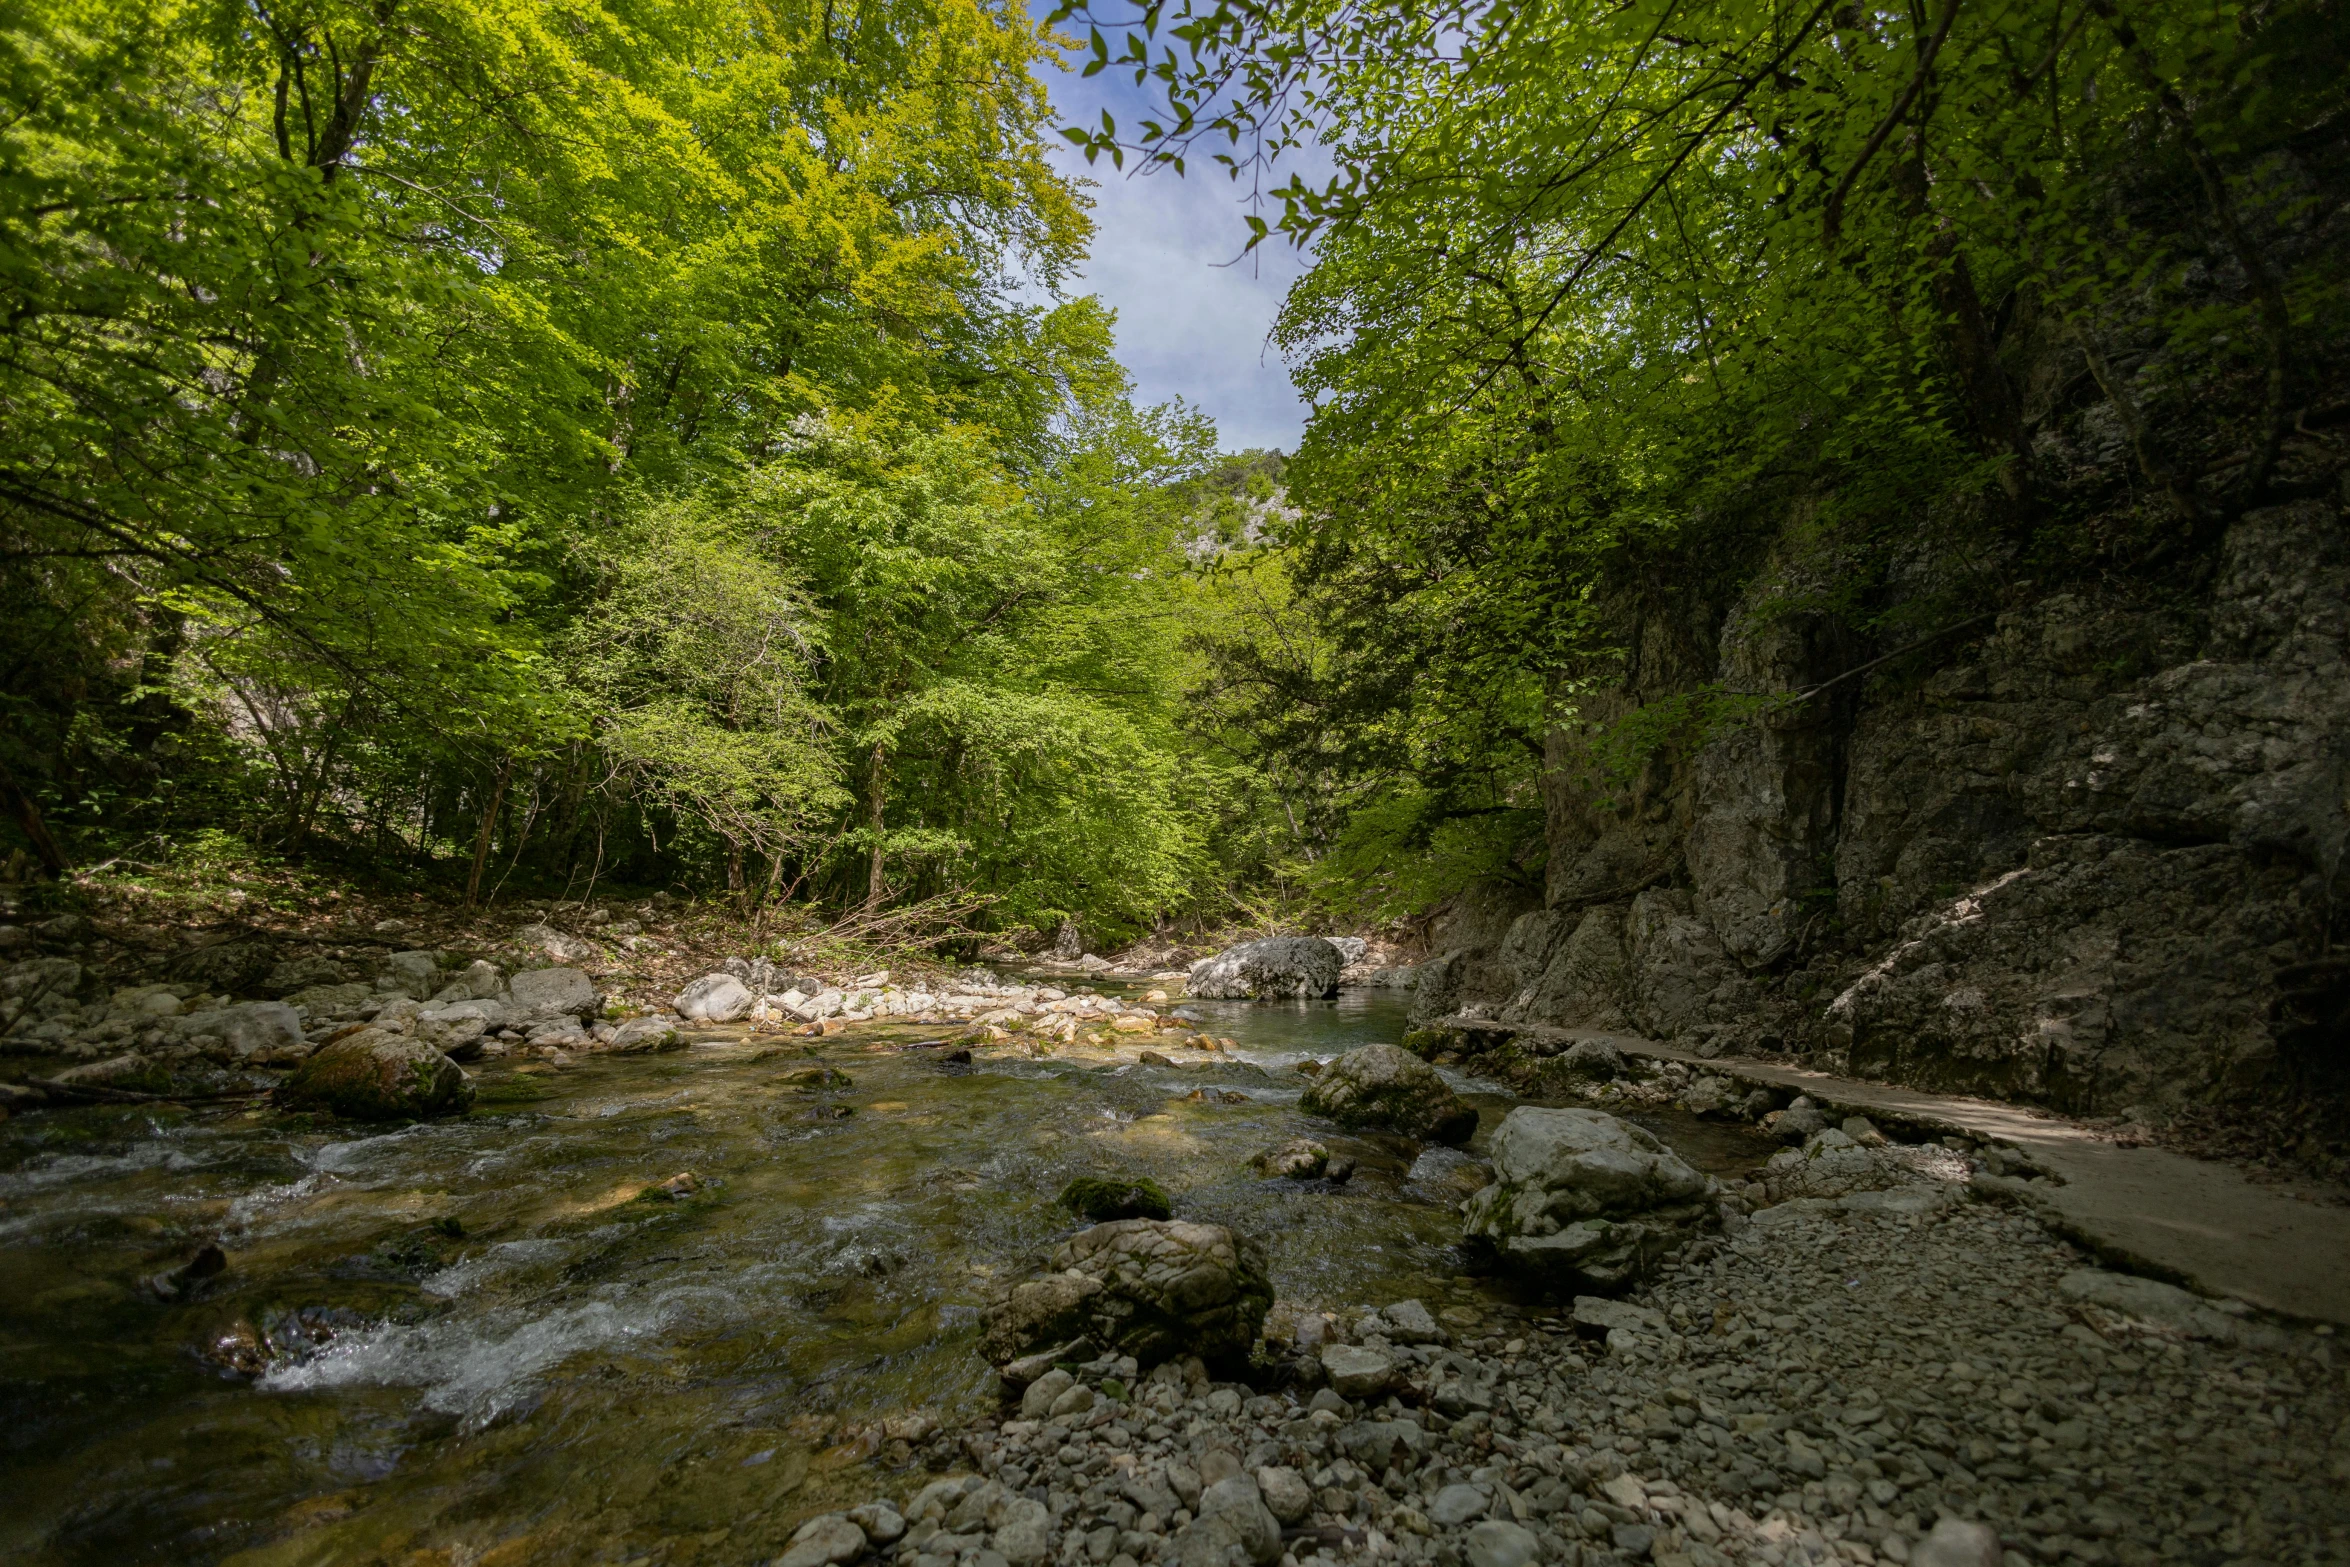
[2087,859]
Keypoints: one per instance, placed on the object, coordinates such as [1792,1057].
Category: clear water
[582,1374]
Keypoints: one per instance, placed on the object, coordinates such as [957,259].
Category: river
[440,1337]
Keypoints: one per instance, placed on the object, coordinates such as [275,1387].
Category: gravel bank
[1821,1388]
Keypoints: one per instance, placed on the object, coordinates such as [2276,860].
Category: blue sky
[1188,325]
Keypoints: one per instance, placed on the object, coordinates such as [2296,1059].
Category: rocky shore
[1826,1386]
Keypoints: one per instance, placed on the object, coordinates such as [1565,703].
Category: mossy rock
[375,1075]
[1429,1043]
[1091,1197]
[816,1079]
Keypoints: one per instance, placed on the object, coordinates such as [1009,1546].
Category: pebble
[1842,1389]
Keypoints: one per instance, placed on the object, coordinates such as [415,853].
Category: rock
[416,974]
[1356,1371]
[253,1033]
[301,974]
[1287,1496]
[644,1036]
[1155,1289]
[2165,1305]
[332,1001]
[1494,1543]
[1593,1060]
[1278,968]
[1023,1537]
[1831,1164]
[182,1077]
[1597,1317]
[1028,1368]
[146,1003]
[1300,1159]
[1956,1542]
[1037,1402]
[477,981]
[1385,1086]
[1798,1123]
[546,939]
[373,1076]
[1234,1502]
[879,1521]
[1584,1199]
[1379,1445]
[225,967]
[1409,1322]
[714,998]
[545,993]
[1091,1197]
[824,1541]
[1456,1505]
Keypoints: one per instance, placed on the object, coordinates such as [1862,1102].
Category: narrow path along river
[490,1322]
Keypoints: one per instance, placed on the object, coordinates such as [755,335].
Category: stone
[1495,1543]
[1357,1371]
[714,998]
[644,1036]
[1596,1316]
[1287,1495]
[1037,1402]
[226,967]
[294,974]
[2165,1305]
[1582,1198]
[1234,1501]
[1593,1060]
[1155,1289]
[1278,968]
[550,942]
[477,981]
[1409,1322]
[1389,1087]
[826,1540]
[1091,1197]
[879,1521]
[1300,1159]
[545,993]
[1456,1505]
[416,974]
[1378,1445]
[1957,1542]
[373,1076]
[252,1033]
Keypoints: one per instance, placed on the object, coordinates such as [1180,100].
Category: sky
[1192,320]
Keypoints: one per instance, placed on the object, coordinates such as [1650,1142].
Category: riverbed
[468,1330]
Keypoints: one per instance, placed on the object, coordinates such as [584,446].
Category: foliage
[1618,312]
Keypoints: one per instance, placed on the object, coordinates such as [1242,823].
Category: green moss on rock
[375,1075]
[1090,1197]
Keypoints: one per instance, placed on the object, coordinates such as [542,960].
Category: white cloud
[1192,319]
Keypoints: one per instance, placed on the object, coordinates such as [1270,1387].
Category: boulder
[1832,1164]
[1386,1086]
[180,1077]
[1300,1159]
[477,981]
[714,998]
[1356,1371]
[1091,1197]
[1232,1511]
[546,939]
[253,1033]
[225,967]
[1155,1289]
[1275,969]
[301,974]
[645,1036]
[545,993]
[377,1076]
[1583,1199]
[416,974]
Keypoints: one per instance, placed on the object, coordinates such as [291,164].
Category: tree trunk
[873,802]
[481,842]
[36,831]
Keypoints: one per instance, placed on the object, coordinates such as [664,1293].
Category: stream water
[474,1341]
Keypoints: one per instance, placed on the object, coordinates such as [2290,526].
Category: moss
[1091,1197]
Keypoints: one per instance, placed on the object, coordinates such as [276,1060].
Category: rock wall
[2067,859]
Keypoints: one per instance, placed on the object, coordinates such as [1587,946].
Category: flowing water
[476,1341]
